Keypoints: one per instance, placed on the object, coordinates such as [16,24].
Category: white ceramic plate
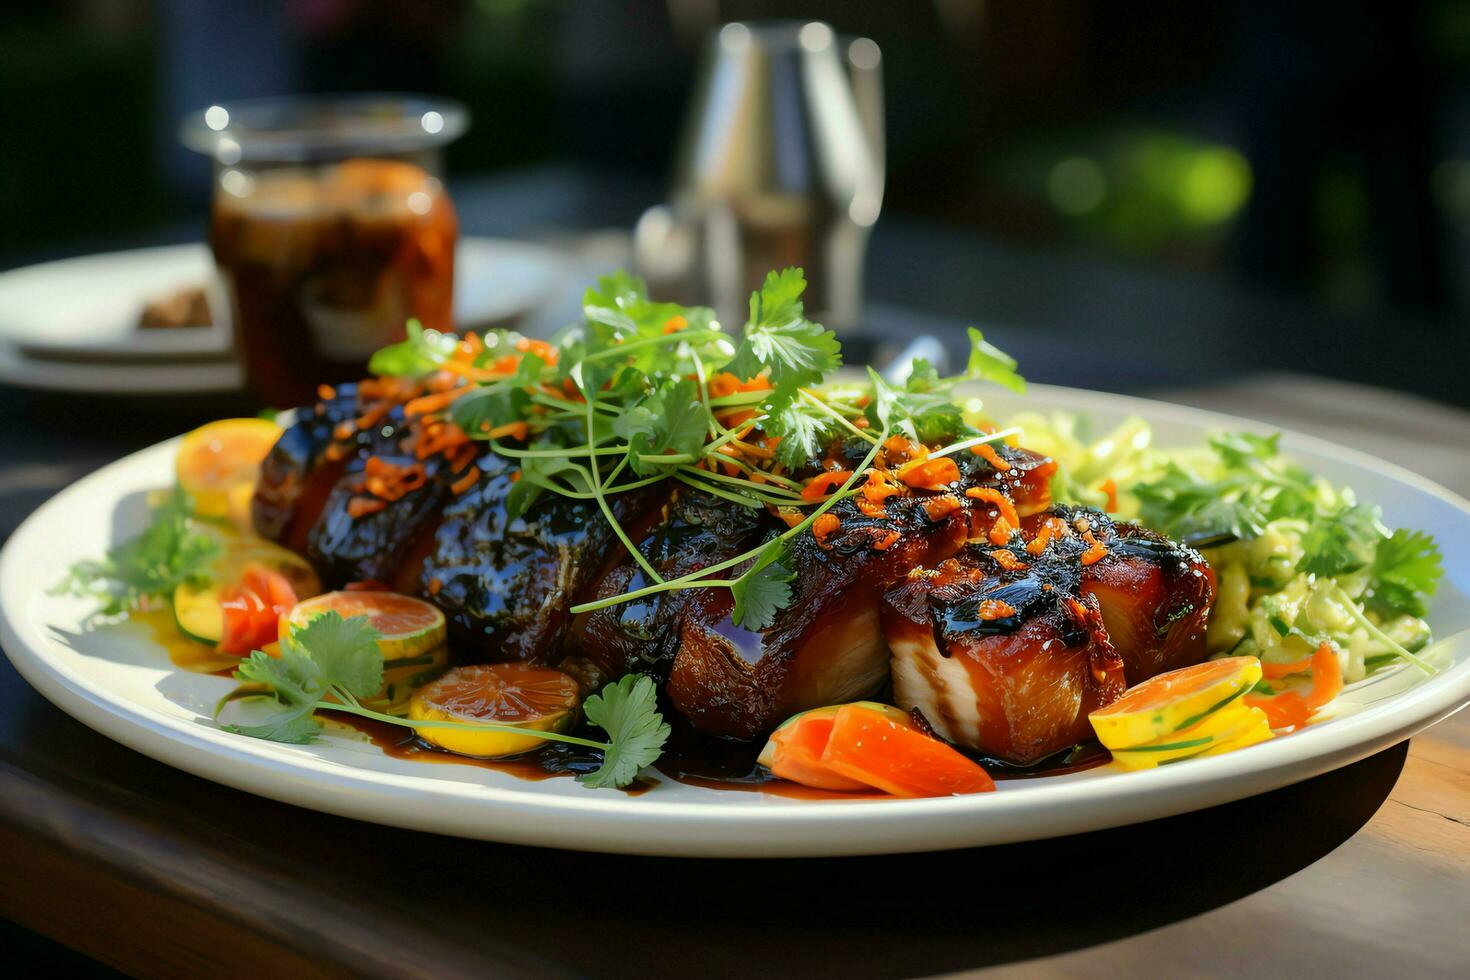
[71,325]
[119,683]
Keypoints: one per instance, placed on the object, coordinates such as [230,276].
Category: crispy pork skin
[299,472]
[1016,684]
[827,646]
[1007,650]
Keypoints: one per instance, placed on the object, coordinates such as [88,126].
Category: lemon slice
[216,458]
[197,611]
[413,645]
[518,695]
[1218,730]
[1173,701]
[411,628]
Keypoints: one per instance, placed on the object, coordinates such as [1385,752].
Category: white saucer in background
[72,325]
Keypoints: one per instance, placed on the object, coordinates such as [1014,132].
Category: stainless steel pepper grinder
[780,163]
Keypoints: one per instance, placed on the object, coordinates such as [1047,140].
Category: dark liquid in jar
[326,265]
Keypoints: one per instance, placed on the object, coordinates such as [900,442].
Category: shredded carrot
[344,431]
[1274,672]
[1110,487]
[995,609]
[886,540]
[929,474]
[540,348]
[1294,709]
[675,323]
[822,485]
[870,509]
[326,392]
[1003,504]
[362,506]
[1007,559]
[391,481]
[470,478]
[938,508]
[987,452]
[435,585]
[860,422]
[428,404]
[1050,528]
[1000,531]
[823,527]
[515,430]
[1096,550]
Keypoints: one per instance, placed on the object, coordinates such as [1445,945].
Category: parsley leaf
[779,340]
[167,554]
[990,363]
[422,352]
[671,420]
[803,433]
[1406,572]
[344,650]
[628,711]
[1341,541]
[764,590]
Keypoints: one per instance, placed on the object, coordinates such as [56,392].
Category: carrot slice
[1293,709]
[897,758]
[797,754]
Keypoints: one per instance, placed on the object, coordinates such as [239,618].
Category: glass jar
[330,229]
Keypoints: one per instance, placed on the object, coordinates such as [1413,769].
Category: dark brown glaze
[826,646]
[698,530]
[372,547]
[1018,687]
[1104,605]
[296,477]
[1155,596]
[506,584]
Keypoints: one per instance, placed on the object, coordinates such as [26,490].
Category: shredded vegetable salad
[1299,561]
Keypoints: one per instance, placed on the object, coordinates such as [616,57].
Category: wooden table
[1361,872]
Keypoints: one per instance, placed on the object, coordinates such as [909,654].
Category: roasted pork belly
[697,530]
[506,584]
[1007,649]
[826,646]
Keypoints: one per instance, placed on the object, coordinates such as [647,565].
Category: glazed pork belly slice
[506,584]
[1008,664]
[826,646]
[1007,651]
[698,530]
[366,532]
[1155,594]
[298,474]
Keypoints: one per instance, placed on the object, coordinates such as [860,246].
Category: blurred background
[1133,195]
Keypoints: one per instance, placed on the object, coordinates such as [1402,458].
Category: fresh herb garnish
[421,352]
[642,391]
[1405,574]
[332,664]
[169,553]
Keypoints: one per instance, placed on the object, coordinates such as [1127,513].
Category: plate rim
[683,828]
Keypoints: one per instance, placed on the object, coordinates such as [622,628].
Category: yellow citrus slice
[215,458]
[519,695]
[411,627]
[413,645]
[1218,731]
[1173,701]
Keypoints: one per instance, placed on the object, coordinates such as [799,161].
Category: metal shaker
[780,163]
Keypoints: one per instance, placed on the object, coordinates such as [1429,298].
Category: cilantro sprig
[170,552]
[333,664]
[641,391]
